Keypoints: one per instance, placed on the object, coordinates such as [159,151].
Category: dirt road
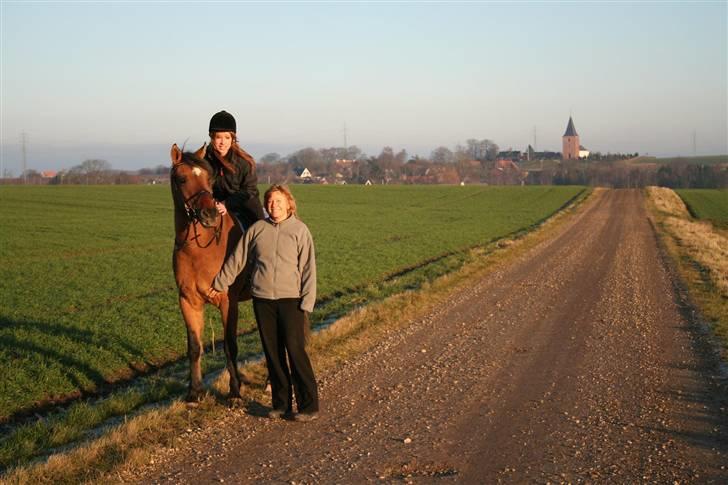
[576,363]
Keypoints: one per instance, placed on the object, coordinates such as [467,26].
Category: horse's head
[191,181]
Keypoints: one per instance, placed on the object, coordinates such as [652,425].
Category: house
[48,174]
[506,172]
[583,152]
[303,173]
[514,155]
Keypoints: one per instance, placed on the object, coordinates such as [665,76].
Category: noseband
[194,213]
[194,217]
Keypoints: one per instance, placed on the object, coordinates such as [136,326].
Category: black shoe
[306,417]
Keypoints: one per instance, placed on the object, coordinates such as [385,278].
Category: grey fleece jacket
[282,259]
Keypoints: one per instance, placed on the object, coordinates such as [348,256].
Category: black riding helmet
[222,121]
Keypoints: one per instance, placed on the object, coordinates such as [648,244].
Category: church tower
[570,142]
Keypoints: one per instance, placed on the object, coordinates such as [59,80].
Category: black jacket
[238,189]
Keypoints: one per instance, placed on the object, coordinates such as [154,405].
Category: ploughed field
[708,204]
[87,295]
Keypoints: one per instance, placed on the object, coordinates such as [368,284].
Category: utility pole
[695,145]
[25,160]
[346,147]
[535,146]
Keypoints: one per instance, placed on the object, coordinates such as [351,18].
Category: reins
[193,219]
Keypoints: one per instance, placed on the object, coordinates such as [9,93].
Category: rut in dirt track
[575,363]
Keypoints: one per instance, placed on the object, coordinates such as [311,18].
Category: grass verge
[132,437]
[700,253]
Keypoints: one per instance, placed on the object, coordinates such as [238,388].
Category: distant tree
[309,158]
[270,158]
[386,157]
[442,155]
[481,150]
[92,166]
[30,173]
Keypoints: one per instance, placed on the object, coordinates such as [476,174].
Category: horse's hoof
[235,402]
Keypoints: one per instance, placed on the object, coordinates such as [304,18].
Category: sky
[123,81]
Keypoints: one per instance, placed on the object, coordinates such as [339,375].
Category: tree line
[474,162]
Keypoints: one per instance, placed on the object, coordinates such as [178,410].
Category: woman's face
[278,206]
[221,142]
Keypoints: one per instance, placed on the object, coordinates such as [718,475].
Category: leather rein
[193,219]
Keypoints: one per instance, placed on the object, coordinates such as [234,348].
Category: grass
[707,204]
[130,443]
[87,297]
[700,253]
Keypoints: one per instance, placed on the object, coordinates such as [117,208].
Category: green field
[708,204]
[87,295]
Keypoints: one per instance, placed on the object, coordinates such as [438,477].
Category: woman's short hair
[283,189]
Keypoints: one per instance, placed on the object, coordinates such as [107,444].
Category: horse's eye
[181,180]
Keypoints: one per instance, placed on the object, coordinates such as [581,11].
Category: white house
[303,174]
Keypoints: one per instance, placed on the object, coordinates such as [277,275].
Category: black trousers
[281,326]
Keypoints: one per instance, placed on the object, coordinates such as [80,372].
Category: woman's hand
[220,206]
[213,296]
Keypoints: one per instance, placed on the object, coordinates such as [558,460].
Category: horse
[203,239]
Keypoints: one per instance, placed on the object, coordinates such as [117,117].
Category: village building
[511,154]
[506,172]
[303,174]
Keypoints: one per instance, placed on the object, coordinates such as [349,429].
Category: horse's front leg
[229,312]
[193,316]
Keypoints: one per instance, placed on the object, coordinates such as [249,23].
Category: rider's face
[221,143]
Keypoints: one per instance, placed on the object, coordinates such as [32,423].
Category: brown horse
[203,240]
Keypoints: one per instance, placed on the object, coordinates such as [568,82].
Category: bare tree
[442,155]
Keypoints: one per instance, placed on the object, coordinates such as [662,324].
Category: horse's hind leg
[195,324]
[229,312]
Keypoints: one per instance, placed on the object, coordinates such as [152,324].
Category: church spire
[570,130]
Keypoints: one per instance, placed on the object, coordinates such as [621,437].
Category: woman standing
[280,250]
[236,185]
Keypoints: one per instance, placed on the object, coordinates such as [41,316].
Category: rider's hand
[220,206]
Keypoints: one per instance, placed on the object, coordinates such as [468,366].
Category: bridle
[193,215]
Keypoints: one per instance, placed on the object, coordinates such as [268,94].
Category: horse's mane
[189,158]
[192,160]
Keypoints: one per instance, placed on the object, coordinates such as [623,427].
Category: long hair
[283,189]
[237,150]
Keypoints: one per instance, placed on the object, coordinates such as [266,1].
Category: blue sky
[122,81]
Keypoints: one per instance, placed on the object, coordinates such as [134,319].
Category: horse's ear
[201,152]
[175,154]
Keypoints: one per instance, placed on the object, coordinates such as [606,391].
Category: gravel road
[576,363]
